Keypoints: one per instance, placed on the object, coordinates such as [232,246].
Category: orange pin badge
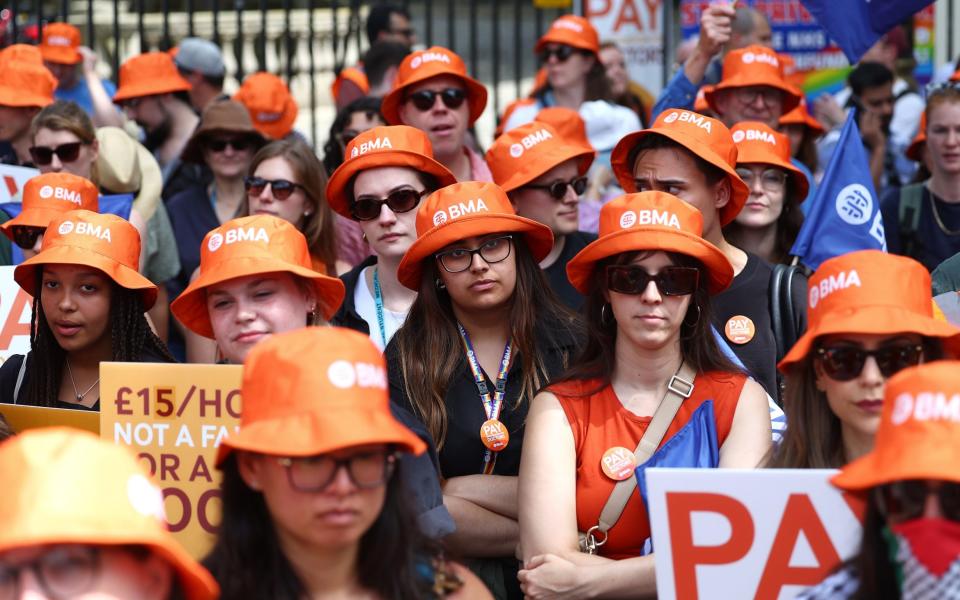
[740,329]
[618,463]
[494,435]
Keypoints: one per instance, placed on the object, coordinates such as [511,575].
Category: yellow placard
[173,417]
[553,3]
[20,418]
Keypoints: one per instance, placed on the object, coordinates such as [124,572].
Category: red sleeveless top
[599,422]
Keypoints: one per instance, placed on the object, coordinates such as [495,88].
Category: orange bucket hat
[426,64]
[754,65]
[149,74]
[801,116]
[270,103]
[919,432]
[25,82]
[385,146]
[250,246]
[650,221]
[59,44]
[81,237]
[757,143]
[571,30]
[870,291]
[700,102]
[48,196]
[704,136]
[112,501]
[313,391]
[463,210]
[526,152]
[915,149]
[22,52]
[568,123]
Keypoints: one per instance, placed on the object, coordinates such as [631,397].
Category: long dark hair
[787,226]
[697,344]
[430,349]
[872,564]
[130,337]
[248,562]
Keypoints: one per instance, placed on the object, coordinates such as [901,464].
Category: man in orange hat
[752,88]
[25,88]
[74,66]
[434,93]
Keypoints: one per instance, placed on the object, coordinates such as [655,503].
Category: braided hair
[130,337]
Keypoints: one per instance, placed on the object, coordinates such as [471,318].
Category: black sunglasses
[907,499]
[238,144]
[670,281]
[424,99]
[558,189]
[844,363]
[43,155]
[280,188]
[367,208]
[562,53]
[25,236]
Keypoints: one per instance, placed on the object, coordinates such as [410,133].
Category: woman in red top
[647,280]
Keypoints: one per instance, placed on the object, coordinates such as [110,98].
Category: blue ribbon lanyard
[378,301]
[492,403]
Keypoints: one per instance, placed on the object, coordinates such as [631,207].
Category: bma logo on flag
[855,204]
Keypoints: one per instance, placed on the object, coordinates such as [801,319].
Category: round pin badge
[739,329]
[618,463]
[494,435]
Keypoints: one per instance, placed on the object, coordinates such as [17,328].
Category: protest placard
[16,307]
[637,28]
[20,418]
[12,179]
[764,534]
[174,417]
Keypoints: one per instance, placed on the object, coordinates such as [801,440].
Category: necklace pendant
[79,398]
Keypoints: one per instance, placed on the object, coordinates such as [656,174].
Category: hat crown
[567,122]
[60,190]
[572,30]
[759,138]
[868,278]
[387,139]
[225,115]
[699,129]
[437,59]
[151,70]
[649,210]
[253,237]
[323,371]
[105,234]
[533,144]
[61,34]
[461,200]
[264,93]
[752,57]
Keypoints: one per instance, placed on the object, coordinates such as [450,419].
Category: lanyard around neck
[378,302]
[492,403]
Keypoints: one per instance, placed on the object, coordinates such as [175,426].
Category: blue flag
[844,215]
[855,25]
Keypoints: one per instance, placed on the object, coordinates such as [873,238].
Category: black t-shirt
[557,272]
[931,246]
[749,296]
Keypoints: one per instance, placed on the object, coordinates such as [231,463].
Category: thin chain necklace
[936,216]
[79,396]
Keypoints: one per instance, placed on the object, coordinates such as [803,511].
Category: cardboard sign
[637,27]
[16,308]
[13,179]
[20,418]
[765,534]
[173,417]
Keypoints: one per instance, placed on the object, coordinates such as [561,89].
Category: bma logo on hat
[426,57]
[66,228]
[925,406]
[855,204]
[750,58]
[833,283]
[375,144]
[529,141]
[671,117]
[568,24]
[215,241]
[516,150]
[58,40]
[268,117]
[345,374]
[439,217]
[754,135]
[100,232]
[455,211]
[238,234]
[628,219]
[688,117]
[46,192]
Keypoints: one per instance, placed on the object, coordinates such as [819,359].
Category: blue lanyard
[378,301]
[492,403]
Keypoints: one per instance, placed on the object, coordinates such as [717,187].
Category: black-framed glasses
[906,500]
[558,189]
[424,100]
[771,180]
[670,281]
[63,572]
[67,153]
[492,251]
[750,93]
[366,470]
[280,188]
[845,363]
[220,144]
[367,208]
[562,53]
[26,236]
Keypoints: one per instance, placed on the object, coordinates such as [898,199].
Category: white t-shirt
[366,307]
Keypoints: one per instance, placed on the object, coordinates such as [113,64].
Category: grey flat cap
[196,54]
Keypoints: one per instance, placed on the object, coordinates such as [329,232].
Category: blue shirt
[80,93]
[679,93]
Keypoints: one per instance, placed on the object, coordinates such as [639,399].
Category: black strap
[908,217]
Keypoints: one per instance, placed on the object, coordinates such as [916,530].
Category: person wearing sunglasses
[485,332]
[313,503]
[648,282]
[910,546]
[871,315]
[771,217]
[433,93]
[110,541]
[544,173]
[576,79]
[389,170]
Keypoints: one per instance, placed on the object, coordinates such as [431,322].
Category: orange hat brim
[62,55]
[745,78]
[539,239]
[281,128]
[26,272]
[309,434]
[795,118]
[190,308]
[913,151]
[870,470]
[567,38]
[557,154]
[23,98]
[620,158]
[30,217]
[340,180]
[752,155]
[665,239]
[151,88]
[476,96]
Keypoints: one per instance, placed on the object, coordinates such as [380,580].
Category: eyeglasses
[425,99]
[558,189]
[905,500]
[670,281]
[63,572]
[561,53]
[280,188]
[367,208]
[492,251]
[749,94]
[238,144]
[845,363]
[771,180]
[25,236]
[43,155]
[314,473]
